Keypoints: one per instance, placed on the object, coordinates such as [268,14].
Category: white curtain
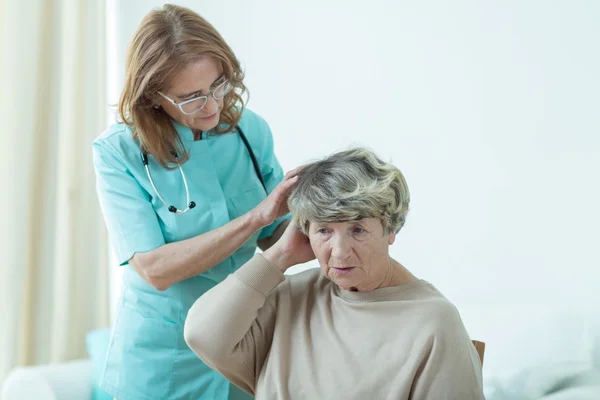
[53,258]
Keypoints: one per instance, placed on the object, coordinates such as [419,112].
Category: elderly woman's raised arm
[230,327]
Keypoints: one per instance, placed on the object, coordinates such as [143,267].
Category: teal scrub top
[147,356]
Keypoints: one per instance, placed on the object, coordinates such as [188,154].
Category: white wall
[489,108]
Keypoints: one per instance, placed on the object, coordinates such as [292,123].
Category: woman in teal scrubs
[182,199]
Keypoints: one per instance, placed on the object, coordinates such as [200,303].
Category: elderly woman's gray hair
[347,186]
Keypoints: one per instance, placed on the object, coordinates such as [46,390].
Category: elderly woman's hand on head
[292,248]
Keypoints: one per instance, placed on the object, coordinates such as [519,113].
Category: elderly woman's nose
[340,245]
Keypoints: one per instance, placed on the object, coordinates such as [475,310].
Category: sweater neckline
[377,294]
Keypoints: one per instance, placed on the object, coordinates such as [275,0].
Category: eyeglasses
[196,104]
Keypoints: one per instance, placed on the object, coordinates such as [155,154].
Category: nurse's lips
[209,117]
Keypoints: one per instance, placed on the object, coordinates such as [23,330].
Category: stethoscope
[192,204]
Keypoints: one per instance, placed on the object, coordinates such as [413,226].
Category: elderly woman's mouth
[343,270]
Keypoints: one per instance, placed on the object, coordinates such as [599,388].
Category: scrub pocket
[142,354]
[246,201]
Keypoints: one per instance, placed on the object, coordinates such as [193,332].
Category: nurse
[189,186]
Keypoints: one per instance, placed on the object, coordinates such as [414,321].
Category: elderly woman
[361,327]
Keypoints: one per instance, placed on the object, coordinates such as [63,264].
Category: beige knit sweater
[301,337]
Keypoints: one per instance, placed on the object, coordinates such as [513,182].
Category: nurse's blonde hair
[168,39]
[349,186]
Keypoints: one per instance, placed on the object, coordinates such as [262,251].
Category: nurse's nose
[211,107]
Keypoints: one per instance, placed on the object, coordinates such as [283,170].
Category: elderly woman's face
[354,254]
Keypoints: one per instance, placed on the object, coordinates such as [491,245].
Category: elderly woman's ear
[392,238]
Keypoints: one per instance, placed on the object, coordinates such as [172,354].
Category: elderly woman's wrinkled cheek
[321,251]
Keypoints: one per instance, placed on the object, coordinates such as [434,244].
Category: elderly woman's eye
[322,231]
[359,230]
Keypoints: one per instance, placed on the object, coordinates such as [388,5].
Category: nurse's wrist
[256,220]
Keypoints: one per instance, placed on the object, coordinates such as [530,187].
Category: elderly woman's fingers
[297,245]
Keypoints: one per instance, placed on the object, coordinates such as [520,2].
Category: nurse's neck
[197,134]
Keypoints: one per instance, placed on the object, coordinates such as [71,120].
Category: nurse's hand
[275,205]
[291,249]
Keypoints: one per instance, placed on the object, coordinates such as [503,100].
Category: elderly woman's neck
[391,274]
[395,275]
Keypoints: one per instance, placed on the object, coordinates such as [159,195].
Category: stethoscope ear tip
[192,204]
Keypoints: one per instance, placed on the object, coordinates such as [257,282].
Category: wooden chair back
[480,347]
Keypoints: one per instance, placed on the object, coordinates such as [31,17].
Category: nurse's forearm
[174,262]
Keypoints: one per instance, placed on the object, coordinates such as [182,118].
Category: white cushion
[70,380]
[521,336]
[577,393]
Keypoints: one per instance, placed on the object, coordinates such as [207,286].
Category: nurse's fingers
[292,173]
[275,205]
[283,189]
[287,184]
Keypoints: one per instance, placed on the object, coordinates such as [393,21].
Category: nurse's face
[198,78]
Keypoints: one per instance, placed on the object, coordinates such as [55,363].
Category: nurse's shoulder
[117,140]
[257,131]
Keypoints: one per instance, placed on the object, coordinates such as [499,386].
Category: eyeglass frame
[211,94]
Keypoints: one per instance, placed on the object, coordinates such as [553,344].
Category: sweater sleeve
[230,327]
[451,369]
